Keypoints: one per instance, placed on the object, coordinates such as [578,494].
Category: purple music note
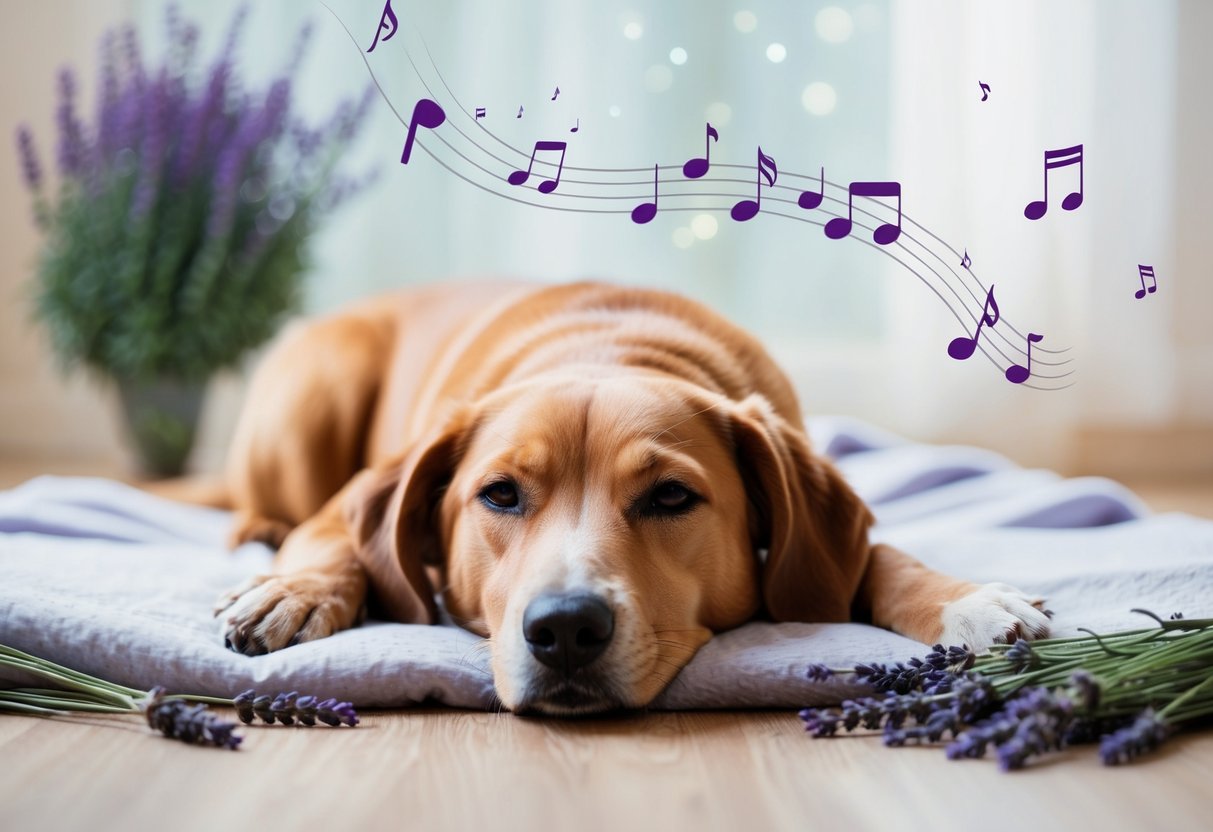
[885,234]
[985,90]
[519,177]
[961,348]
[965,262]
[1143,272]
[1017,374]
[747,209]
[695,168]
[388,21]
[810,199]
[645,211]
[1064,157]
[576,126]
[556,93]
[426,113]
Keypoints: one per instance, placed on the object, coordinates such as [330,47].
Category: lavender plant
[176,235]
[182,717]
[1128,691]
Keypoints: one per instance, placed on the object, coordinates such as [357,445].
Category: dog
[593,478]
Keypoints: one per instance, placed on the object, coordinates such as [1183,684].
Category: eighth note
[961,348]
[1143,272]
[1017,374]
[388,21]
[519,112]
[426,113]
[747,209]
[965,262]
[645,211]
[985,90]
[480,112]
[519,177]
[885,234]
[695,168]
[1062,158]
[556,93]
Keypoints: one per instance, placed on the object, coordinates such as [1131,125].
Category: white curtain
[859,333]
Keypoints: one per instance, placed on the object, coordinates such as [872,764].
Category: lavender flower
[1021,656]
[1087,690]
[1031,723]
[183,245]
[1145,734]
[194,724]
[819,673]
[286,708]
[71,133]
[31,170]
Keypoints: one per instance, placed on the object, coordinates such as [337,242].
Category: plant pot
[161,419]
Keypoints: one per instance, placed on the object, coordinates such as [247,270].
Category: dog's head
[599,530]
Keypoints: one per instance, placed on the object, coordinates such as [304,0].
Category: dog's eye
[500,495]
[671,498]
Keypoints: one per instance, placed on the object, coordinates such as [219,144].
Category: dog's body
[588,475]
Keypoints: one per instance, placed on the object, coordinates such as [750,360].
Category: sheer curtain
[1098,74]
[867,90]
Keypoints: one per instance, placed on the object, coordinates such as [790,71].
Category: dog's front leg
[901,594]
[318,586]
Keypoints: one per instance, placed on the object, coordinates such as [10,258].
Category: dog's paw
[993,614]
[270,612]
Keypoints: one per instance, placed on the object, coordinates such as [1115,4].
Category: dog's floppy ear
[391,512]
[813,526]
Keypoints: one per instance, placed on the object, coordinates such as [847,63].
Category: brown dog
[594,478]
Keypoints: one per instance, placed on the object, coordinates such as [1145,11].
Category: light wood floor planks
[437,770]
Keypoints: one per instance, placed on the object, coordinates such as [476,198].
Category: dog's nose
[568,631]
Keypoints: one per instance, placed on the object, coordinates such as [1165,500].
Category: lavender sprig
[179,716]
[177,235]
[1131,689]
[286,708]
[194,724]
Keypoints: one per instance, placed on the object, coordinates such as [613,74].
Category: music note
[480,112]
[985,90]
[645,211]
[695,168]
[746,209]
[810,199]
[1143,272]
[520,177]
[426,113]
[961,348]
[388,21]
[965,262]
[556,93]
[885,234]
[1064,157]
[576,126]
[1017,374]
[519,112]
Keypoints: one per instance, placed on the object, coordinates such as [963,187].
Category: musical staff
[599,190]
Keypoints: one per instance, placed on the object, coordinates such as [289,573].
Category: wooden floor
[433,770]
[442,769]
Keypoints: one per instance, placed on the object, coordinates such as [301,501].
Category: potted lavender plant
[175,238]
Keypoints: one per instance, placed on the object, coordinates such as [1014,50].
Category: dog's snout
[568,631]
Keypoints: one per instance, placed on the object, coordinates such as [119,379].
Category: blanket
[115,582]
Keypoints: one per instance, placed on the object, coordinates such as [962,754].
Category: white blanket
[120,584]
